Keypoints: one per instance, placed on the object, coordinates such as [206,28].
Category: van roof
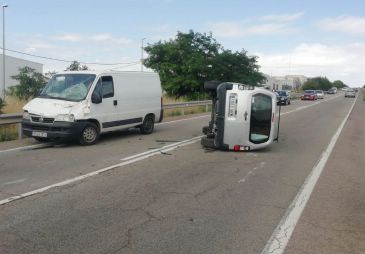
[107,72]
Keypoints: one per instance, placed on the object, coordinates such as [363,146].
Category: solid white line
[282,233]
[136,158]
[24,148]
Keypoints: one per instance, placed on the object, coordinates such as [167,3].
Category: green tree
[317,83]
[30,83]
[76,66]
[237,67]
[339,84]
[186,62]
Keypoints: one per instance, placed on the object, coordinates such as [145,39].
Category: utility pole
[142,49]
[4,6]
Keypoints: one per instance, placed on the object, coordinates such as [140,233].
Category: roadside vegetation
[2,105]
[186,62]
[322,83]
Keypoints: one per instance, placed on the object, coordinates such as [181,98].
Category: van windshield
[70,87]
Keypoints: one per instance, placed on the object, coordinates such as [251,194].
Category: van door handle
[245,114]
[115,102]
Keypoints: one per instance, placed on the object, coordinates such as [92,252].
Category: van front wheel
[148,124]
[89,135]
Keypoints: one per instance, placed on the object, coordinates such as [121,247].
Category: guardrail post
[206,108]
[182,111]
[20,132]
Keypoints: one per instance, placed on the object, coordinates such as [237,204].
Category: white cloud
[107,38]
[336,62]
[68,37]
[344,24]
[103,48]
[243,29]
[283,17]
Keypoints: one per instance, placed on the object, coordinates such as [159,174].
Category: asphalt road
[188,200]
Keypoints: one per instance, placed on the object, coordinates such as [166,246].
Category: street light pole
[4,6]
[142,49]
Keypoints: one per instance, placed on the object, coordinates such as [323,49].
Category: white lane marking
[282,233]
[135,158]
[14,182]
[23,148]
[262,165]
[181,120]
[162,149]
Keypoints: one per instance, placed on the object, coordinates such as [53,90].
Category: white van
[80,105]
[244,118]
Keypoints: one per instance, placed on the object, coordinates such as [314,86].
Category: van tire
[148,124]
[89,135]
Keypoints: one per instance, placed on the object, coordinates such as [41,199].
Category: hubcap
[89,134]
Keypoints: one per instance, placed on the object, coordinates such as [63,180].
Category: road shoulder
[334,218]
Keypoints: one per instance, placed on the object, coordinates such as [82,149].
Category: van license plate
[39,134]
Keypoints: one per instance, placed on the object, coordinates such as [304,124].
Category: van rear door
[261,118]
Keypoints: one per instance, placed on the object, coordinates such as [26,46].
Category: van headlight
[65,118]
[26,115]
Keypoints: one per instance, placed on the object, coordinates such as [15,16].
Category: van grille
[40,119]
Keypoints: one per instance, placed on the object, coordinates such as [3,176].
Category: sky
[289,37]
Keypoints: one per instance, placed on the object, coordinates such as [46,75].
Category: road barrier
[6,119]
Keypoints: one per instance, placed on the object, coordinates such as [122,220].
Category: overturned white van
[80,105]
[243,117]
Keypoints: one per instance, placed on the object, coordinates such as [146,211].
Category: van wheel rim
[89,134]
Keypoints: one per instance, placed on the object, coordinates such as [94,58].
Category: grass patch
[186,111]
[13,105]
[8,132]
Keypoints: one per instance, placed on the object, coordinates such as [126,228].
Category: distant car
[333,90]
[309,95]
[320,94]
[350,93]
[282,97]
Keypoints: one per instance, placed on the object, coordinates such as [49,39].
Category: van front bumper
[56,130]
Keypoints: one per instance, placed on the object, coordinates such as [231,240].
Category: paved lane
[26,170]
[189,200]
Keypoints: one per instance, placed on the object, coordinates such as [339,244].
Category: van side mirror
[96,97]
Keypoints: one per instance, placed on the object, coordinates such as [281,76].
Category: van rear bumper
[57,130]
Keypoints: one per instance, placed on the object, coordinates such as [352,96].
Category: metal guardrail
[6,119]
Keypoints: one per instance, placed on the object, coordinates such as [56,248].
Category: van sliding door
[261,113]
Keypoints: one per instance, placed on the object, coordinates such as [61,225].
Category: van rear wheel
[89,135]
[148,124]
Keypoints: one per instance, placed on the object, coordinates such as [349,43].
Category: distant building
[12,65]
[288,82]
